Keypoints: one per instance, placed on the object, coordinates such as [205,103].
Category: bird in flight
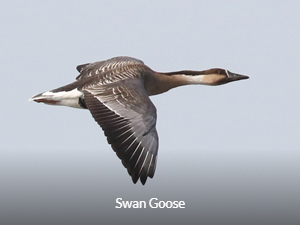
[116,92]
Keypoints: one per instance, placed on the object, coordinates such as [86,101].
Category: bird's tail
[68,95]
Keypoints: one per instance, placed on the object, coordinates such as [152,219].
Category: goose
[116,92]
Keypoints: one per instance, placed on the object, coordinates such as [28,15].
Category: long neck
[161,82]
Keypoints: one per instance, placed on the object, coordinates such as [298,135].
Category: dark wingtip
[143,180]
[134,179]
[79,68]
[143,177]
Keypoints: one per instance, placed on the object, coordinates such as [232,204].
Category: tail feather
[46,97]
[64,98]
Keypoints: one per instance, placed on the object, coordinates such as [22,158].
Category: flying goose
[116,92]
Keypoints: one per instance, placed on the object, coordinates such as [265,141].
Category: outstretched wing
[128,118]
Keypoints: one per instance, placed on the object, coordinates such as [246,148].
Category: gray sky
[230,152]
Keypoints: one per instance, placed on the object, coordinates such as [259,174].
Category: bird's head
[220,76]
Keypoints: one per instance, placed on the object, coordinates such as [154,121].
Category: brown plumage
[116,92]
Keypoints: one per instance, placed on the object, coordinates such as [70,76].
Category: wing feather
[92,69]
[128,118]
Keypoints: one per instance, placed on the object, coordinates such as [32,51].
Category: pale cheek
[214,80]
